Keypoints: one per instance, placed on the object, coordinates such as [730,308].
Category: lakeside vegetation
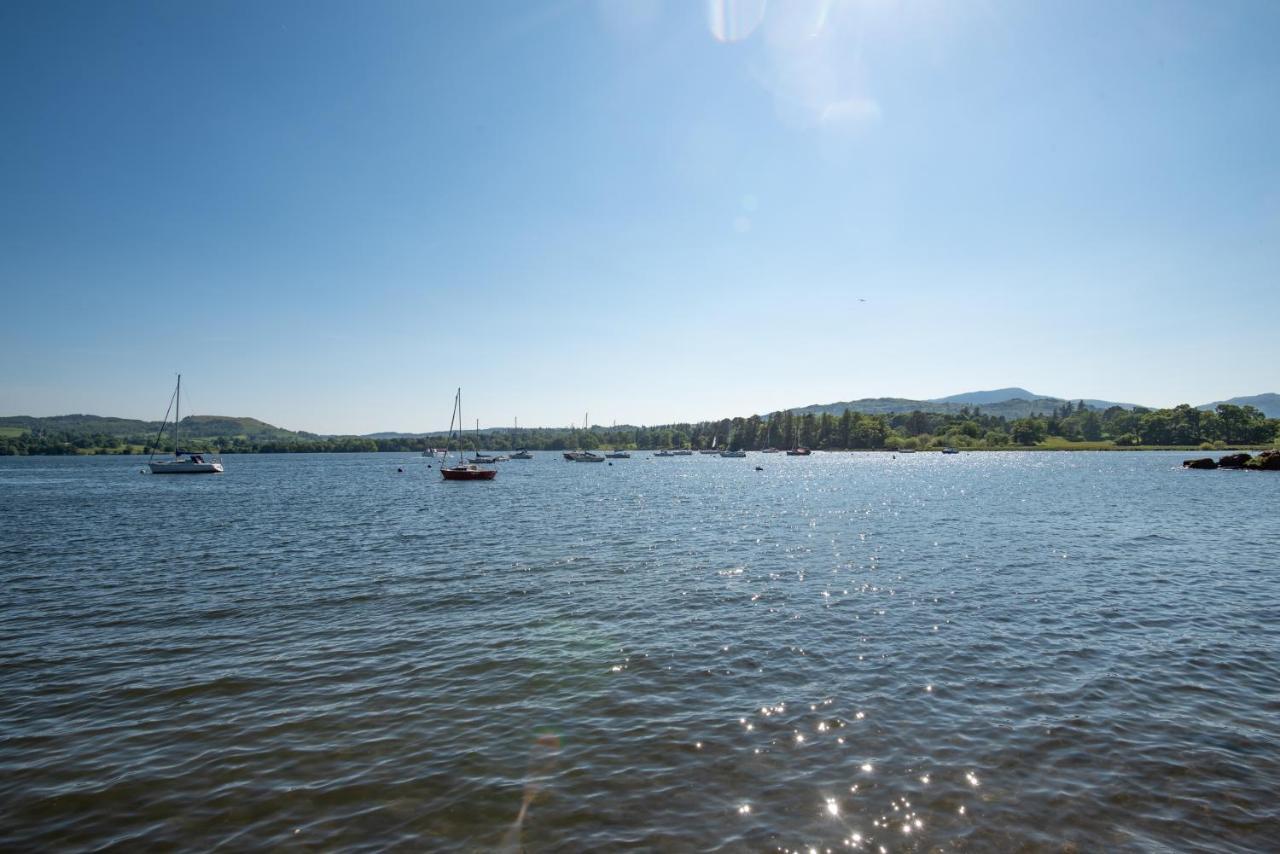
[1069,427]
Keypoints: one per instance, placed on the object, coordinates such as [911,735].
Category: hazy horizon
[329,216]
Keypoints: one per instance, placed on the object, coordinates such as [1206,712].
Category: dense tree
[1181,425]
[1028,431]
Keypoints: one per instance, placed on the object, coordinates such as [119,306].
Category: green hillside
[193,426]
[1016,408]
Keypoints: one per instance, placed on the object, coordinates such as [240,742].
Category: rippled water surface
[979,652]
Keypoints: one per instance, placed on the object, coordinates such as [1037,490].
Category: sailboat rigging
[182,463]
[463,470]
[523,453]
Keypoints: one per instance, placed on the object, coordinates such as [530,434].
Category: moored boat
[467,471]
[183,462]
[522,453]
[462,470]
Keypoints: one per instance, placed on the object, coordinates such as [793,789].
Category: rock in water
[1205,463]
[1266,461]
[1234,461]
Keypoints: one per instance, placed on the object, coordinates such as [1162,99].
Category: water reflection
[772,643]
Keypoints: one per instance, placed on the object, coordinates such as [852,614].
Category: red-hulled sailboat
[463,470]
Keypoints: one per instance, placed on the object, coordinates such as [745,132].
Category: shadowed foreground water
[985,651]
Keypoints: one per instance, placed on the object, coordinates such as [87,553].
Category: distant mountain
[995,396]
[1000,395]
[394,435]
[889,405]
[1006,402]
[193,426]
[1268,404]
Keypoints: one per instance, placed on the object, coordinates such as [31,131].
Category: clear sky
[328,215]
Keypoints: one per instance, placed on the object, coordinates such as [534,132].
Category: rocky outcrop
[1266,461]
[1234,461]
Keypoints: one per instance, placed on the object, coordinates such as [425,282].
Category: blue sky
[328,215]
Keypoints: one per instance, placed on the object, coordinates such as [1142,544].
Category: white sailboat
[182,463]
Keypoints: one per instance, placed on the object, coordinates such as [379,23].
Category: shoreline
[1071,448]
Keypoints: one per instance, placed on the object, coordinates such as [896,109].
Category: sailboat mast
[457,414]
[177,416]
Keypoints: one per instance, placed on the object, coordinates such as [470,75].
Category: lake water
[984,652]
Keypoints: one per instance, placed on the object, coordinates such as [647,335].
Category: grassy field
[12,432]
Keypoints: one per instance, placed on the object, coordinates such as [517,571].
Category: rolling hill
[1268,404]
[998,395]
[193,426]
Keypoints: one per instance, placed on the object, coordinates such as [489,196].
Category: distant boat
[796,450]
[182,463]
[769,451]
[682,452]
[479,458]
[618,455]
[664,454]
[733,453]
[907,451]
[522,453]
[463,470]
[431,452]
[950,451]
[583,457]
[712,449]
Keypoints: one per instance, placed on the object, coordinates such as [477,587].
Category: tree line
[1228,424]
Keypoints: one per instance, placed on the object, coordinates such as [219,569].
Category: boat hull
[183,467]
[468,473]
